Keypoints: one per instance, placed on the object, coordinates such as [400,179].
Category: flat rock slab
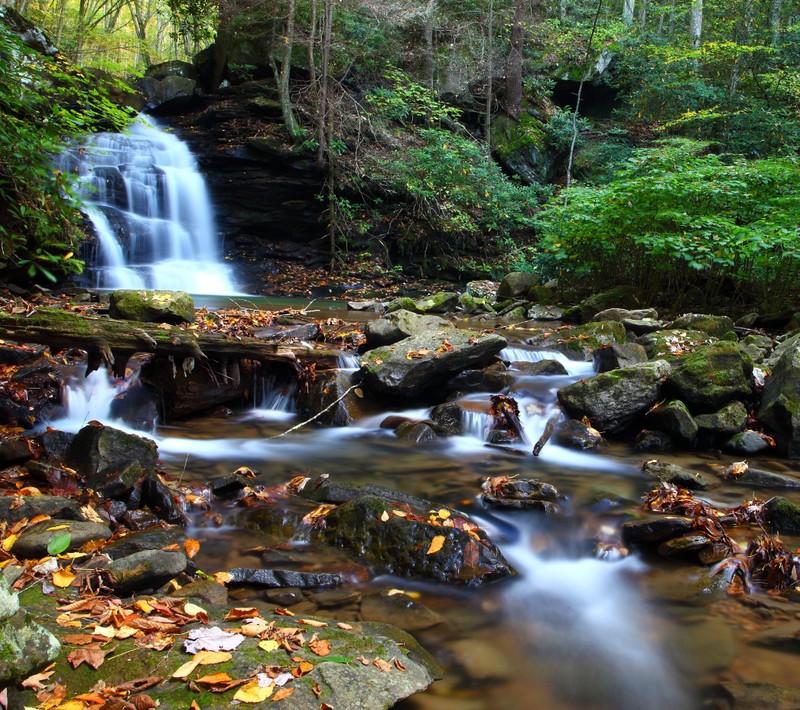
[277,578]
[149,569]
[33,541]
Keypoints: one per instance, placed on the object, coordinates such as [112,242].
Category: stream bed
[572,630]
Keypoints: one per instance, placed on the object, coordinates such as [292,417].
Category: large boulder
[517,284]
[780,403]
[673,343]
[412,367]
[400,324]
[579,342]
[618,297]
[169,87]
[715,326]
[152,306]
[616,400]
[414,546]
[712,376]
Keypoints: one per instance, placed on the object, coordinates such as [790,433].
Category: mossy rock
[579,342]
[675,419]
[715,326]
[780,402]
[152,306]
[712,376]
[673,343]
[783,515]
[724,422]
[618,297]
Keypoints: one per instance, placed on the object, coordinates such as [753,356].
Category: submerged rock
[277,578]
[657,529]
[678,475]
[575,434]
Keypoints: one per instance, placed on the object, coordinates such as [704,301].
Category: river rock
[715,326]
[616,356]
[152,306]
[622,314]
[674,418]
[712,376]
[579,342]
[618,297]
[470,305]
[100,451]
[148,569]
[757,346]
[691,545]
[156,538]
[575,434]
[401,324]
[32,542]
[650,441]
[656,529]
[517,284]
[492,378]
[780,402]
[614,401]
[323,393]
[538,368]
[642,326]
[415,365]
[448,419]
[522,493]
[783,515]
[743,695]
[767,479]
[25,646]
[369,528]
[724,422]
[747,442]
[678,475]
[783,345]
[483,288]
[543,312]
[16,451]
[276,578]
[172,94]
[415,432]
[15,508]
[672,344]
[440,302]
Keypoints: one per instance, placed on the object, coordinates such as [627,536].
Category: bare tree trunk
[514,62]
[327,24]
[696,23]
[775,21]
[430,11]
[286,70]
[627,12]
[744,36]
[487,121]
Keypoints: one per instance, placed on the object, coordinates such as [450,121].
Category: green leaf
[59,544]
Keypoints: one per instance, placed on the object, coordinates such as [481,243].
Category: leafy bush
[677,217]
[42,104]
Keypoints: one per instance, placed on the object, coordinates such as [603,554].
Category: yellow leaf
[143,606]
[8,543]
[191,546]
[72,705]
[63,578]
[108,632]
[192,609]
[269,645]
[384,516]
[436,544]
[58,527]
[253,693]
[185,670]
[444,514]
[222,577]
[209,658]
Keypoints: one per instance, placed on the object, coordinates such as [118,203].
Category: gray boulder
[517,284]
[724,422]
[414,366]
[33,541]
[152,306]
[614,401]
[675,419]
[616,356]
[149,569]
[622,314]
[780,402]
[579,342]
[400,324]
[715,326]
[672,344]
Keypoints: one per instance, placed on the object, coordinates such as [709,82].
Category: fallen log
[113,342]
[549,428]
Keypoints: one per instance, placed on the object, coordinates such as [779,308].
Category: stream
[575,630]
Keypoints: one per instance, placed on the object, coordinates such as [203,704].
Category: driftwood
[114,341]
[549,428]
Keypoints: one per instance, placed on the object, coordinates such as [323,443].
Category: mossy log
[114,341]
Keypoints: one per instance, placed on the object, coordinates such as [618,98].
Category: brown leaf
[35,681]
[398,665]
[383,665]
[191,546]
[93,656]
[78,639]
[316,689]
[302,669]
[311,622]
[471,553]
[238,613]
[282,693]
[143,702]
[322,647]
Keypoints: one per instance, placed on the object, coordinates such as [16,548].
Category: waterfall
[151,212]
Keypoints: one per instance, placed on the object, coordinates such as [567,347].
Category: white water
[151,211]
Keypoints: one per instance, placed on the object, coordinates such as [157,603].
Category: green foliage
[59,544]
[42,104]
[406,100]
[677,217]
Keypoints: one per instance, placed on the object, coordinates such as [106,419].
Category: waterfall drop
[151,212]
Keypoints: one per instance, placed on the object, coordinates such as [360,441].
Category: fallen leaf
[214,679]
[282,612]
[383,665]
[191,546]
[92,655]
[282,693]
[398,665]
[363,661]
[312,622]
[322,647]
[269,645]
[384,516]
[193,610]
[62,578]
[185,670]
[436,544]
[253,693]
[209,658]
[346,627]
[35,681]
[8,543]
[444,514]
[238,613]
[302,669]
[316,689]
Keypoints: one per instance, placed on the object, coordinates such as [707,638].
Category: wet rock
[622,314]
[724,422]
[448,419]
[618,297]
[470,305]
[138,520]
[285,596]
[783,515]
[119,484]
[657,529]
[172,94]
[574,434]
[415,432]
[642,326]
[542,312]
[415,365]
[540,367]
[655,442]
[204,590]
[32,542]
[401,324]
[156,538]
[369,306]
[712,376]
[161,501]
[152,306]
[227,485]
[16,451]
[299,331]
[615,356]
[678,475]
[13,354]
[98,451]
[673,344]
[368,528]
[399,610]
[55,444]
[743,695]
[146,570]
[493,378]
[483,289]
[674,419]
[517,284]
[285,578]
[747,442]
[614,401]
[579,342]
[767,479]
[694,546]
[322,394]
[757,346]
[15,508]
[25,646]
[715,326]
[440,302]
[137,406]
[780,402]
[521,493]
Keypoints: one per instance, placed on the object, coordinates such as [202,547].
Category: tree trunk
[514,62]
[775,21]
[487,121]
[627,12]
[696,23]
[327,24]
[286,69]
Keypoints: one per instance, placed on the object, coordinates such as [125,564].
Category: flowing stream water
[571,631]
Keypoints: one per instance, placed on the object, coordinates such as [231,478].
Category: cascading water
[151,211]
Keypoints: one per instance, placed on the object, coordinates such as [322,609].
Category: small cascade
[576,368]
[89,399]
[151,212]
[350,362]
[274,401]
